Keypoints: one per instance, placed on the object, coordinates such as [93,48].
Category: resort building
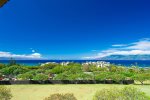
[98,64]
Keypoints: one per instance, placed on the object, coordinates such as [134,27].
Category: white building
[98,63]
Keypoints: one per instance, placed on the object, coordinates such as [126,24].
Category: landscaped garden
[80,92]
[140,90]
[73,71]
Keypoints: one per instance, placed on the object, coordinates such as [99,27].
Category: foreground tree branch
[3,2]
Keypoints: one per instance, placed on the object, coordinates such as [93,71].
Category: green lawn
[81,92]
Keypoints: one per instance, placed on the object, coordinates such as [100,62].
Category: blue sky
[73,29]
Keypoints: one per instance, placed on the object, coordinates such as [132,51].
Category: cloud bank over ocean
[141,47]
[20,56]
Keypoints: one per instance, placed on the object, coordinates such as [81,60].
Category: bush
[101,76]
[25,76]
[141,77]
[48,66]
[57,70]
[117,77]
[67,96]
[14,70]
[127,93]
[2,65]
[131,93]
[41,77]
[5,93]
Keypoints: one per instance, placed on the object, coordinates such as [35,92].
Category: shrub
[131,93]
[67,96]
[117,77]
[141,77]
[86,68]
[2,65]
[5,93]
[25,76]
[14,70]
[48,66]
[101,75]
[57,70]
[41,77]
[127,93]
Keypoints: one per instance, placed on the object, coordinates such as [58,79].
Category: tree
[141,77]
[67,96]
[48,66]
[41,77]
[101,75]
[127,93]
[25,76]
[2,65]
[5,93]
[12,62]
[86,68]
[117,77]
[2,2]
[14,70]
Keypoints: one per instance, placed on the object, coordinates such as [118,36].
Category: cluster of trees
[126,93]
[73,71]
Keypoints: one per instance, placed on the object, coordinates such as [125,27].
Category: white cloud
[141,47]
[94,50]
[33,51]
[119,45]
[21,56]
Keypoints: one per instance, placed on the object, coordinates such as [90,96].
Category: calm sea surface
[140,63]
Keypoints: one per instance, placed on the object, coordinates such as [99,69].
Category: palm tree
[2,2]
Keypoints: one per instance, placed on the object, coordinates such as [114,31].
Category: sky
[74,29]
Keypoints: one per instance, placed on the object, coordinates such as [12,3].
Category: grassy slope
[82,92]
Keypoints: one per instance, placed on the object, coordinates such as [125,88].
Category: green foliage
[73,68]
[117,77]
[131,93]
[58,70]
[141,77]
[113,68]
[66,96]
[33,67]
[127,93]
[14,70]
[74,71]
[66,76]
[86,68]
[128,74]
[101,75]
[48,66]
[94,68]
[5,93]
[12,62]
[26,76]
[2,65]
[84,76]
[40,77]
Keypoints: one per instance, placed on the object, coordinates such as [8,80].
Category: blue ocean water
[140,63]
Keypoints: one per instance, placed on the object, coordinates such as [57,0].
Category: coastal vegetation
[73,71]
[80,91]
[5,93]
[78,71]
[126,93]
[58,96]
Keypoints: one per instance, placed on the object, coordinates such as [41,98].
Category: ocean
[128,63]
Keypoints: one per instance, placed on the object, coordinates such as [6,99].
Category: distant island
[125,57]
